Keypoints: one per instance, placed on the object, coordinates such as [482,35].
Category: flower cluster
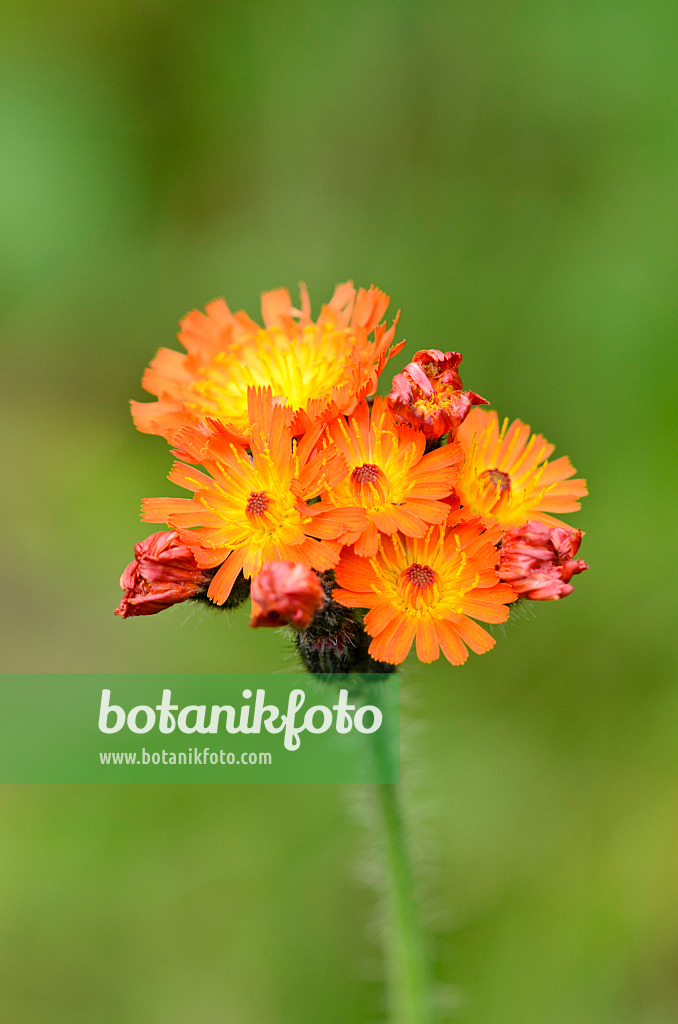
[366,524]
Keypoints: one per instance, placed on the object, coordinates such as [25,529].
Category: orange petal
[189,477]
[367,543]
[485,610]
[379,618]
[158,417]
[385,520]
[370,306]
[222,584]
[393,645]
[355,573]
[450,642]
[275,308]
[428,648]
[477,638]
[157,510]
[355,599]
[408,521]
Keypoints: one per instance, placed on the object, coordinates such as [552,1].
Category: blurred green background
[507,173]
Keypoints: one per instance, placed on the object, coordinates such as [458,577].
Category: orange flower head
[428,393]
[310,366]
[250,507]
[285,593]
[429,590]
[506,477]
[398,486]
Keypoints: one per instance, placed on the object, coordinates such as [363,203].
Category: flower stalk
[407,961]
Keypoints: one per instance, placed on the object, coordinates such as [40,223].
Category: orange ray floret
[310,365]
[398,486]
[251,508]
[428,590]
[506,477]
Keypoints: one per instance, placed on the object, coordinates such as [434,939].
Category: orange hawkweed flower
[252,507]
[309,365]
[428,589]
[506,477]
[391,479]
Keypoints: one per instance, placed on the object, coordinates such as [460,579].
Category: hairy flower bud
[336,640]
[428,393]
[538,561]
[285,593]
[163,573]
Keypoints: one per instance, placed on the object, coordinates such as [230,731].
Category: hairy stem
[407,962]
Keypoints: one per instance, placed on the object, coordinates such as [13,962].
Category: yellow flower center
[297,366]
[420,575]
[497,479]
[365,474]
[369,485]
[418,586]
[257,503]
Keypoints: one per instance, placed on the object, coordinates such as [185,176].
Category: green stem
[407,962]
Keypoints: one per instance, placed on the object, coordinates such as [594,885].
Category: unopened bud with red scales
[538,561]
[285,593]
[163,573]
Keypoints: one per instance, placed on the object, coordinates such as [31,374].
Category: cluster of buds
[361,525]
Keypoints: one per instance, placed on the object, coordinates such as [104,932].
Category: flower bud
[538,561]
[163,573]
[285,593]
[428,393]
[336,641]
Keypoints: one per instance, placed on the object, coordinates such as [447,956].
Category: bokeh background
[507,173]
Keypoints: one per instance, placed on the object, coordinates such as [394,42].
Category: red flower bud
[538,561]
[428,393]
[163,573]
[285,593]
